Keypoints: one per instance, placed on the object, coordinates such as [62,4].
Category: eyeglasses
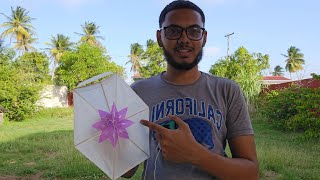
[174,32]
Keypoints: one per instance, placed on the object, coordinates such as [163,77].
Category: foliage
[90,34]
[36,65]
[278,71]
[245,69]
[18,91]
[57,47]
[83,63]
[294,60]
[155,63]
[294,108]
[18,25]
[315,76]
[136,51]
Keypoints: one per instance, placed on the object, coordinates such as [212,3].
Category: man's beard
[182,66]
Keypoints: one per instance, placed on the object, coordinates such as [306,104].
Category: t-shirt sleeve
[238,119]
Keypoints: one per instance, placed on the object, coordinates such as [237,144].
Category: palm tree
[278,71]
[294,60]
[90,34]
[24,45]
[18,25]
[135,57]
[57,47]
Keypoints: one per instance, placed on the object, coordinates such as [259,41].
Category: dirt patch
[9,178]
[51,154]
[31,177]
[30,164]
[12,162]
[269,175]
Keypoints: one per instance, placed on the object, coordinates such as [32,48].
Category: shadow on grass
[49,155]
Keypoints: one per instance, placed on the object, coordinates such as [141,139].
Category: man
[207,110]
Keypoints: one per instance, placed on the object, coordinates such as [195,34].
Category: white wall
[53,96]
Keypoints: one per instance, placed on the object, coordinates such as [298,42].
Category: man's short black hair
[179,4]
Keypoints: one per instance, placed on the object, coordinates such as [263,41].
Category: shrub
[18,92]
[294,108]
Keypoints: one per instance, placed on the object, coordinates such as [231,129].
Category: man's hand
[177,145]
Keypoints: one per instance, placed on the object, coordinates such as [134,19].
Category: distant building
[53,96]
[274,80]
[306,83]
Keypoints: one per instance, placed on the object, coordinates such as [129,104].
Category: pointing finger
[153,126]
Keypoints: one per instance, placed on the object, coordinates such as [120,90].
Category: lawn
[42,148]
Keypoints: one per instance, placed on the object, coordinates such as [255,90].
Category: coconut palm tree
[136,51]
[90,34]
[294,60]
[278,71]
[18,25]
[57,47]
[24,45]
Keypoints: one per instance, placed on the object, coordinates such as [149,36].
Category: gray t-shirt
[213,107]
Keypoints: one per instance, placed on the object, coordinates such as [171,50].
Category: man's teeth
[182,50]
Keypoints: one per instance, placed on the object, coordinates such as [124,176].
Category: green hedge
[295,108]
[21,79]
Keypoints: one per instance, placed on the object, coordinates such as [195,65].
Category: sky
[261,26]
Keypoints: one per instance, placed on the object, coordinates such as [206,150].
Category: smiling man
[201,112]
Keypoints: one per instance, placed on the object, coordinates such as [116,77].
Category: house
[53,96]
[2,110]
[136,77]
[307,83]
[274,80]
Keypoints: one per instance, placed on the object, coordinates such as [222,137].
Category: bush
[18,92]
[295,108]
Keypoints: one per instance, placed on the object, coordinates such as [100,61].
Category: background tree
[155,63]
[277,71]
[35,65]
[18,92]
[294,60]
[24,45]
[90,34]
[136,51]
[84,62]
[57,47]
[19,26]
[245,69]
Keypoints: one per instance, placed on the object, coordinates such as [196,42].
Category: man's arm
[179,146]
[130,173]
[242,165]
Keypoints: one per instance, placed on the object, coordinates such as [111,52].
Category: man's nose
[184,37]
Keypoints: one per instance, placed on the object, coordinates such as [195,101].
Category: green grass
[42,148]
[286,155]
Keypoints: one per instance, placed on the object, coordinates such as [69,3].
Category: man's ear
[159,38]
[205,33]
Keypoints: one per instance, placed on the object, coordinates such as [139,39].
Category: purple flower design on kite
[113,125]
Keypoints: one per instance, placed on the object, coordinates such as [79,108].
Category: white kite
[107,127]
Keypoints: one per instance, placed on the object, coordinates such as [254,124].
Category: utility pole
[228,36]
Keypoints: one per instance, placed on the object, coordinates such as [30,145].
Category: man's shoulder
[145,83]
[220,81]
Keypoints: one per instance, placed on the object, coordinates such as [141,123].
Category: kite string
[155,165]
[155,162]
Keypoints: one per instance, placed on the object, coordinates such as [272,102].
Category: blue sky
[269,26]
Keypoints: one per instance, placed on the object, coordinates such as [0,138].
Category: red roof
[275,78]
[137,75]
